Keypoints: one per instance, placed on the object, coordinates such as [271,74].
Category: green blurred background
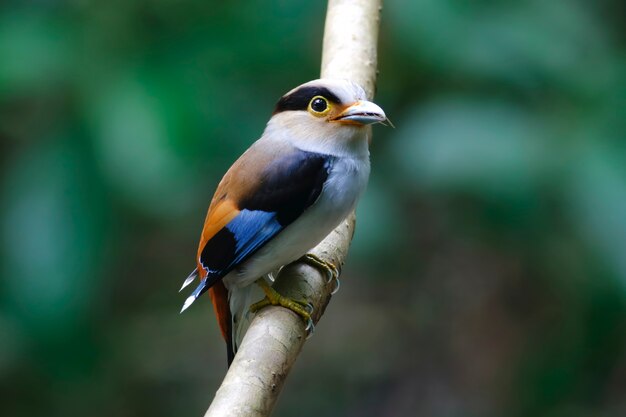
[488,272]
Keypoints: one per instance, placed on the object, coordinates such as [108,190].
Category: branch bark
[276,335]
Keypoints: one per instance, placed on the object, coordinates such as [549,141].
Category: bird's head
[325,115]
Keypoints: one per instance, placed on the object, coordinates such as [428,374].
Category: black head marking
[299,99]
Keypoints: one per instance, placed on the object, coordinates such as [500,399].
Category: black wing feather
[290,185]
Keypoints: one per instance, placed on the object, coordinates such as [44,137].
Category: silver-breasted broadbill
[289,190]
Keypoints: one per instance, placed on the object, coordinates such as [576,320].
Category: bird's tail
[232,307]
[200,289]
[189,279]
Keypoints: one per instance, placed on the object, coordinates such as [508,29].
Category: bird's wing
[253,204]
[260,195]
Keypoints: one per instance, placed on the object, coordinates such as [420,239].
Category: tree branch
[276,335]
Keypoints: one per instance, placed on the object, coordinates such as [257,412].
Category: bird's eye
[319,106]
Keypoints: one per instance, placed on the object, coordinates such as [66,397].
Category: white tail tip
[189,301]
[188,281]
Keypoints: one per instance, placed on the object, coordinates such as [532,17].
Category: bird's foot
[272,298]
[331,271]
[328,268]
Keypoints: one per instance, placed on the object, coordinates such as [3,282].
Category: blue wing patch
[232,245]
[252,228]
[238,240]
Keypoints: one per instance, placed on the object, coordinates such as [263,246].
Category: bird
[282,197]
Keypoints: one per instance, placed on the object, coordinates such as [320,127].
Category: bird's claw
[336,287]
[310,328]
[330,269]
[302,308]
[308,307]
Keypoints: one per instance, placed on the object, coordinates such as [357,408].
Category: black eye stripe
[300,99]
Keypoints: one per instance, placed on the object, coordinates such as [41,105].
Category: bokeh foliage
[488,272]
